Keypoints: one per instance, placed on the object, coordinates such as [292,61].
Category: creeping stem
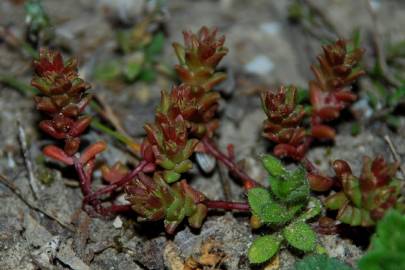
[84,180]
[211,148]
[126,179]
[225,205]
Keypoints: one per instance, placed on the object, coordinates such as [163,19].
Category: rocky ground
[265,50]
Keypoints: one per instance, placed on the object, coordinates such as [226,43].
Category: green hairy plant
[284,207]
[387,244]
[321,262]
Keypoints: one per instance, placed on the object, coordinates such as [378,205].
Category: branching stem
[226,205]
[230,164]
[126,179]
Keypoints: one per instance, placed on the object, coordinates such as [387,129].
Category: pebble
[260,65]
[117,223]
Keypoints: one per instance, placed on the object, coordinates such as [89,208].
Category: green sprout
[285,208]
[140,50]
[37,21]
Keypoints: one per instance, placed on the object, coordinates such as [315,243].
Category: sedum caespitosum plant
[292,128]
[184,118]
[153,199]
[364,200]
[283,123]
[284,208]
[63,98]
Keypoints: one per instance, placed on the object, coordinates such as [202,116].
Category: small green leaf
[278,214]
[355,129]
[107,71]
[300,236]
[131,71]
[155,47]
[258,198]
[263,248]
[273,166]
[314,208]
[147,74]
[171,176]
[268,210]
[336,201]
[321,262]
[292,187]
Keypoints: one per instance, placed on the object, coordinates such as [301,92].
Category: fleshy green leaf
[171,176]
[263,248]
[300,236]
[320,262]
[107,71]
[155,47]
[132,70]
[147,74]
[336,201]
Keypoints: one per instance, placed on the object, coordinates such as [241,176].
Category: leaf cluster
[285,208]
[364,200]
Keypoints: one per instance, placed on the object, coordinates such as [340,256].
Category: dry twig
[381,58]
[22,138]
[395,154]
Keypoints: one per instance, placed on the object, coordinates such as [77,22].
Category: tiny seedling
[284,207]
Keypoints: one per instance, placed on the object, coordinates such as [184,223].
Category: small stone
[260,65]
[117,223]
[270,28]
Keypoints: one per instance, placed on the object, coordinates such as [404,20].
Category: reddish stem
[126,179]
[211,148]
[116,209]
[84,180]
[309,166]
[226,205]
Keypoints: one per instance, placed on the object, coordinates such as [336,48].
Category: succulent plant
[330,92]
[153,199]
[63,97]
[387,244]
[329,95]
[194,104]
[285,208]
[365,199]
[36,19]
[187,112]
[199,57]
[168,140]
[284,118]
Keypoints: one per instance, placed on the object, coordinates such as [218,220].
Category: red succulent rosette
[63,97]
[283,123]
